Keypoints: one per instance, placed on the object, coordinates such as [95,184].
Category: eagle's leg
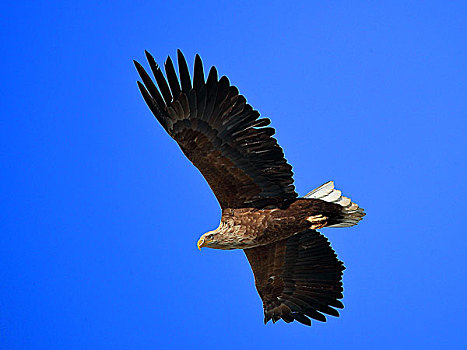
[317,221]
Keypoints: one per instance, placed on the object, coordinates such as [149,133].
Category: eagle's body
[245,228]
[297,274]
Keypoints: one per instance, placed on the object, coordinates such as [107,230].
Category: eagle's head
[208,240]
[217,240]
[224,237]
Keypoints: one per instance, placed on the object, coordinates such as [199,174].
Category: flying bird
[297,274]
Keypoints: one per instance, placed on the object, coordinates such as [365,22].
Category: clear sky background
[100,211]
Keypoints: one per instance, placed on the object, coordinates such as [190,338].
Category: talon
[317,221]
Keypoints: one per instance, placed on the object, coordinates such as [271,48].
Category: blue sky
[100,210]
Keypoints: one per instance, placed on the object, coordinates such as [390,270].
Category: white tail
[351,212]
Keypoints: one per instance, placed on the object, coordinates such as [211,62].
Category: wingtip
[150,58]
[139,68]
[199,62]
[137,64]
[180,56]
[301,318]
[212,75]
[167,60]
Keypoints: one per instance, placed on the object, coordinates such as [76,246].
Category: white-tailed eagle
[297,274]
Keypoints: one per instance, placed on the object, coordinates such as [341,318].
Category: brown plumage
[297,274]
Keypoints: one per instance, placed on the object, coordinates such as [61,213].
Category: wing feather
[220,133]
[172,77]
[161,82]
[301,272]
[184,72]
[149,85]
[198,74]
[154,107]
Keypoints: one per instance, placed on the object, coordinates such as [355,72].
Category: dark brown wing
[220,133]
[298,277]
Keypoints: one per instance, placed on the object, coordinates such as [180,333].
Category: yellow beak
[201,243]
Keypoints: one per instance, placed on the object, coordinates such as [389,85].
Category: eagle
[296,272]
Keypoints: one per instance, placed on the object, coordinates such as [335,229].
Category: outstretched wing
[220,133]
[298,277]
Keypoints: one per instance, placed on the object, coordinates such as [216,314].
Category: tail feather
[351,212]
